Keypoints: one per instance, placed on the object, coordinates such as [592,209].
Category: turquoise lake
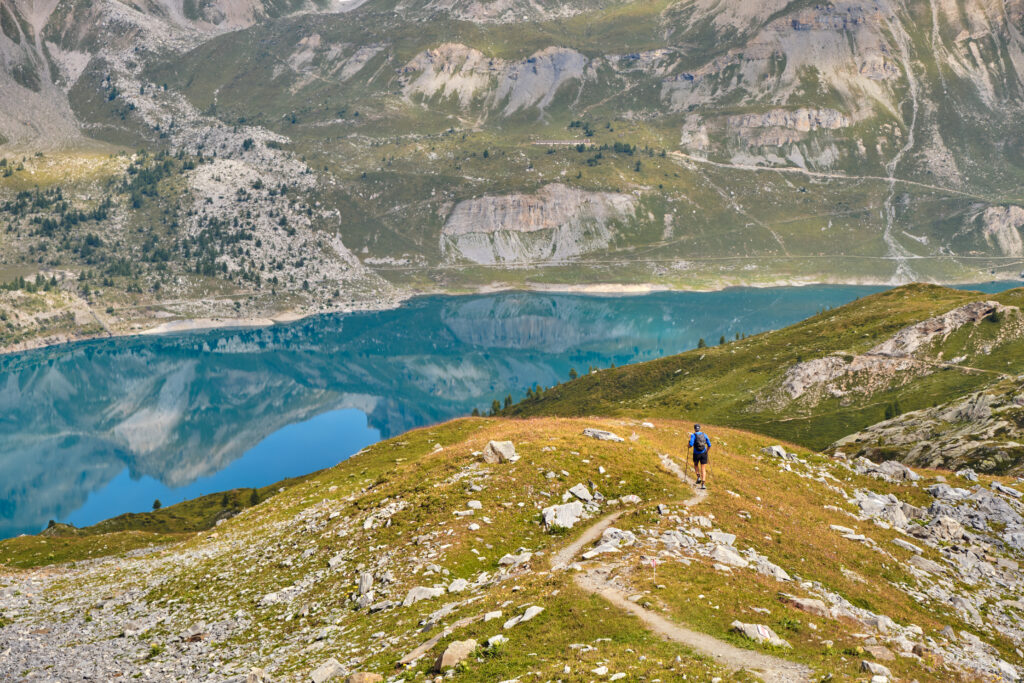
[95,429]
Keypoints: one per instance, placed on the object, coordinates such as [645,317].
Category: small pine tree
[701,344]
[476,412]
[224,501]
[721,341]
[157,504]
[495,407]
[508,400]
[573,374]
[254,497]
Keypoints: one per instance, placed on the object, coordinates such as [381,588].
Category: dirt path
[770,669]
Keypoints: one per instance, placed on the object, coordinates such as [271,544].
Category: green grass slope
[739,383]
[277,586]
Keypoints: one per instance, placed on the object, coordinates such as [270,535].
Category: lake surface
[95,429]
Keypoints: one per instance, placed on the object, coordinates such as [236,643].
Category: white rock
[564,516]
[602,435]
[509,560]
[874,668]
[728,555]
[458,585]
[722,537]
[330,669]
[421,593]
[474,505]
[500,451]
[492,615]
[582,492]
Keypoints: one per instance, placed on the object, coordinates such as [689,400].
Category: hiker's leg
[696,467]
[704,471]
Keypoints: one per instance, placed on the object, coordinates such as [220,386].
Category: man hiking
[701,445]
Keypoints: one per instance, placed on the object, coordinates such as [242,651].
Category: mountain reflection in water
[93,429]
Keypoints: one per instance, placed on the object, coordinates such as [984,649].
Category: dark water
[91,430]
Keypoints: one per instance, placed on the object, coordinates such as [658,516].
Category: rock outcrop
[556,224]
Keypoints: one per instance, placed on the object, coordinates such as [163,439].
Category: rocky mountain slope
[493,549]
[906,349]
[347,154]
[982,430]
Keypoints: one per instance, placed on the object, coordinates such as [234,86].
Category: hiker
[701,445]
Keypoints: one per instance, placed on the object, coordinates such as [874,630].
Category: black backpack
[700,442]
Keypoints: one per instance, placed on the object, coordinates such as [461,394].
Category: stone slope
[983,430]
[404,554]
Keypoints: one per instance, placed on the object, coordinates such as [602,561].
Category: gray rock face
[327,671]
[946,529]
[760,633]
[602,435]
[727,555]
[421,593]
[764,566]
[365,583]
[809,605]
[510,560]
[556,223]
[618,537]
[500,451]
[454,654]
[875,669]
[582,492]
[563,516]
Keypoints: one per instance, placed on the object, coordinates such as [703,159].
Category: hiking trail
[595,581]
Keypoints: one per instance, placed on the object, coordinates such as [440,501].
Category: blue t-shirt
[693,440]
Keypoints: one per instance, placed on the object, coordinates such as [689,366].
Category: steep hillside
[542,557]
[983,430]
[346,154]
[815,382]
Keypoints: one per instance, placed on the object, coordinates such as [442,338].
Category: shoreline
[597,289]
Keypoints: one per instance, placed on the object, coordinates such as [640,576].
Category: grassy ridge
[290,537]
[61,543]
[738,383]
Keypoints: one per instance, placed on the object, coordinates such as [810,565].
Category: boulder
[722,537]
[764,566]
[500,451]
[562,516]
[946,529]
[421,593]
[328,670]
[618,537]
[457,652]
[727,555]
[759,633]
[530,613]
[968,474]
[809,605]
[458,585]
[365,583]
[582,492]
[925,564]
[631,499]
[875,669]
[510,560]
[1007,490]
[907,545]
[364,677]
[600,550]
[602,435]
